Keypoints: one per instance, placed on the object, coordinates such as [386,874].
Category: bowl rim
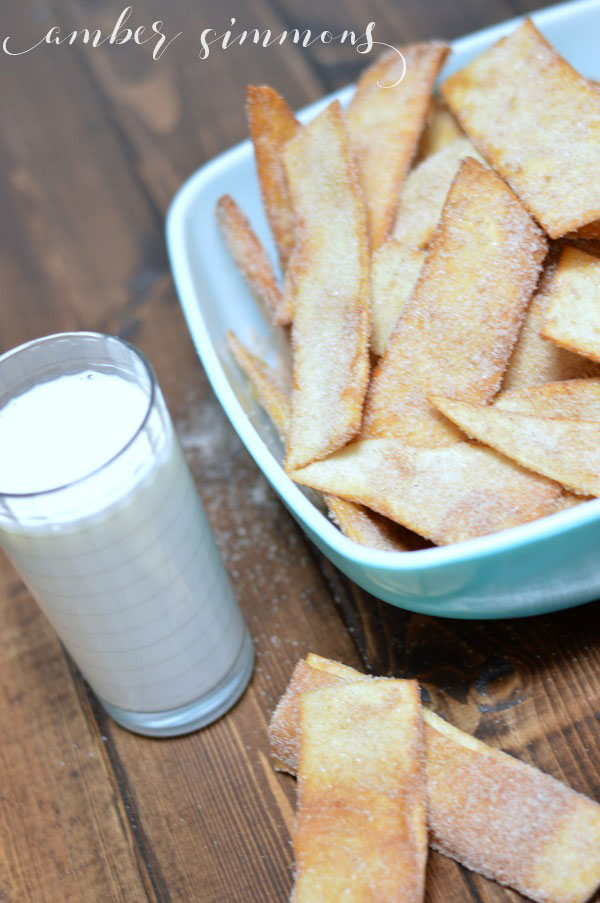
[520,537]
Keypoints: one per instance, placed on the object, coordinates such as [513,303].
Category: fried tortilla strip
[567,451]
[361,830]
[250,257]
[425,190]
[284,735]
[538,123]
[446,494]
[456,334]
[329,666]
[385,124]
[272,124]
[482,803]
[371,529]
[592,230]
[535,360]
[441,129]
[573,305]
[294,266]
[265,385]
[587,245]
[573,399]
[507,820]
[330,334]
[358,523]
[394,271]
[570,399]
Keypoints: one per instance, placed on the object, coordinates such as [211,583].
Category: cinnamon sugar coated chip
[331,322]
[371,529]
[592,230]
[385,119]
[284,735]
[424,193]
[570,399]
[361,825]
[456,333]
[535,360]
[572,317]
[446,494]
[250,257]
[358,523]
[489,811]
[394,271]
[567,451]
[272,398]
[509,821]
[441,129]
[537,121]
[272,124]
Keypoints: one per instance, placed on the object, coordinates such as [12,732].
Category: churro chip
[491,812]
[570,399]
[573,305]
[265,385]
[250,257]
[567,451]
[385,123]
[371,529]
[592,230]
[361,823]
[456,334]
[446,494]
[508,820]
[538,123]
[425,190]
[573,399]
[272,124]
[284,735]
[394,271]
[535,360]
[358,523]
[330,333]
[441,129]
[332,667]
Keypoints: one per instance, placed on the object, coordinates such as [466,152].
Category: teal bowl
[543,566]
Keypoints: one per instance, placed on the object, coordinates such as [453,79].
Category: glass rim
[105,337]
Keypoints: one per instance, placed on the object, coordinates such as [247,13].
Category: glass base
[195,714]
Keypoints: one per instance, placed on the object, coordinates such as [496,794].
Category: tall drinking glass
[100,516]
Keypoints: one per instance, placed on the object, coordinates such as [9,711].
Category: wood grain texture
[93,145]
[64,832]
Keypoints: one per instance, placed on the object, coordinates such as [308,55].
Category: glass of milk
[100,516]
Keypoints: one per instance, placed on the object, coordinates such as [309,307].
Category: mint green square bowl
[543,566]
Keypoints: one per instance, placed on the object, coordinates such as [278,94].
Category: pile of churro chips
[379,778]
[440,281]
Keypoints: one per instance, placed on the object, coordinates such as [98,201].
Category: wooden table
[93,144]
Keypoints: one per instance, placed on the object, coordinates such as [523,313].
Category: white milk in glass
[122,559]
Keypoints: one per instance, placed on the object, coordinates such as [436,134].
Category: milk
[122,561]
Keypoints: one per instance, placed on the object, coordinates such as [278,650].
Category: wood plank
[76,228]
[64,831]
[177,112]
